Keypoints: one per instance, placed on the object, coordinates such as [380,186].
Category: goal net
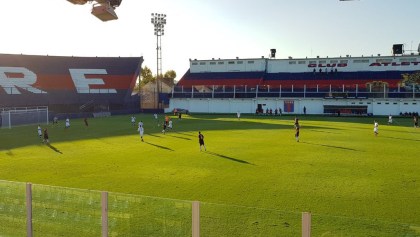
[11,117]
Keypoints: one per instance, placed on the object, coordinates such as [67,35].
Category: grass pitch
[339,169]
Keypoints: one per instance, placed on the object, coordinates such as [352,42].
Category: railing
[24,109]
[13,90]
[31,209]
[317,91]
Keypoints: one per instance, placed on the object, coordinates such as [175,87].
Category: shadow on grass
[114,126]
[403,121]
[185,138]
[185,134]
[158,146]
[337,147]
[229,158]
[152,135]
[54,148]
[399,138]
[313,130]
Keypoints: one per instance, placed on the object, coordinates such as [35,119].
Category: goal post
[11,117]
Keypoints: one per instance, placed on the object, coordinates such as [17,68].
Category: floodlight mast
[158,20]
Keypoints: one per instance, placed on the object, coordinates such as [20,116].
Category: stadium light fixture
[78,2]
[159,21]
[102,9]
[105,12]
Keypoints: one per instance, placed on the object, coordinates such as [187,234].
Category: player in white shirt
[133,120]
[67,122]
[39,132]
[238,114]
[141,130]
[390,119]
[170,124]
[375,128]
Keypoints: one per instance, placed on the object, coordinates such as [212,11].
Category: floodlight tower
[159,21]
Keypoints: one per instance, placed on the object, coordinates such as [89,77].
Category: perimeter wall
[294,105]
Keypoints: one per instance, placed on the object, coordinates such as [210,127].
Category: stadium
[258,146]
[334,115]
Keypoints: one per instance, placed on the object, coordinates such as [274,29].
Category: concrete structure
[295,105]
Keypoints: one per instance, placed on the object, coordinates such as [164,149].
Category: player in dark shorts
[164,128]
[201,141]
[297,127]
[46,136]
[416,121]
[86,122]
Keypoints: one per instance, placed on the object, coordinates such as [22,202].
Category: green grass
[349,179]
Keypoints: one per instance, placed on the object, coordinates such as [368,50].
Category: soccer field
[338,169]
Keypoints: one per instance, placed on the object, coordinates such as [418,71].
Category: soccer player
[297,128]
[67,122]
[133,120]
[55,120]
[170,124]
[416,121]
[375,128]
[238,114]
[39,132]
[46,136]
[141,124]
[390,119]
[167,119]
[201,141]
[164,128]
[86,122]
[141,131]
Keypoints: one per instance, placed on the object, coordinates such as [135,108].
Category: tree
[146,76]
[409,79]
[169,77]
[170,74]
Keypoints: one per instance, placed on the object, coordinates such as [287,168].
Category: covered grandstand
[381,84]
[70,84]
[317,77]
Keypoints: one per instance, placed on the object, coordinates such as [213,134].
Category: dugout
[346,109]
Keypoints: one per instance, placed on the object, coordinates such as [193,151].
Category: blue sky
[205,29]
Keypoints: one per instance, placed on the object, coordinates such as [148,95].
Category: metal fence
[313,91]
[40,210]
